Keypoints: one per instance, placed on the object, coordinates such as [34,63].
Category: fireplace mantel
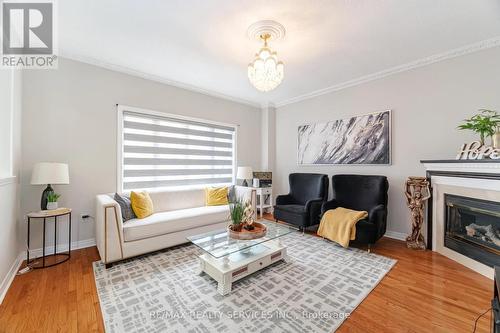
[478,167]
[476,175]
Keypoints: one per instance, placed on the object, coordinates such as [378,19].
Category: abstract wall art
[364,139]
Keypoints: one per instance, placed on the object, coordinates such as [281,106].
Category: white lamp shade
[50,173]
[244,173]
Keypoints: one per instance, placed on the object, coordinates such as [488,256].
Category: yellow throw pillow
[216,196]
[141,203]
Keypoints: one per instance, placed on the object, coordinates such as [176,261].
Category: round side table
[48,214]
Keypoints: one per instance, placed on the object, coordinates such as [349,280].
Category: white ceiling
[203,44]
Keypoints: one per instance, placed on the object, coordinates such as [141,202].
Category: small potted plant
[485,123]
[243,226]
[52,198]
[237,213]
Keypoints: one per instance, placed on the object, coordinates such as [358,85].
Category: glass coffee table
[227,260]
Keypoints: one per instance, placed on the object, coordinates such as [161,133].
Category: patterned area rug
[314,292]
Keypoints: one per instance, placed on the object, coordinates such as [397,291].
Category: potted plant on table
[243,226]
[237,213]
[52,198]
[486,123]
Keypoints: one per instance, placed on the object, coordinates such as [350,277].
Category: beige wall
[10,240]
[70,116]
[428,103]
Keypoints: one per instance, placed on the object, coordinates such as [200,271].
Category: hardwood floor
[424,292]
[62,298]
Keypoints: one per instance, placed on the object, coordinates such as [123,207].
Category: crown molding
[155,78]
[471,48]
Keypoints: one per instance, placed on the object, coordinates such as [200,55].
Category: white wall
[70,116]
[5,123]
[428,103]
[10,115]
[268,125]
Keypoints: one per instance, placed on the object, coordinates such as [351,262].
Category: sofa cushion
[125,207]
[295,209]
[216,196]
[170,200]
[141,203]
[174,221]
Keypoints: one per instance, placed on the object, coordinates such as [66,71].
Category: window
[158,150]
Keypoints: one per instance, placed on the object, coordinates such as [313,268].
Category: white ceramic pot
[495,139]
[51,205]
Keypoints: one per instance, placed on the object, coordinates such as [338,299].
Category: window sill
[8,180]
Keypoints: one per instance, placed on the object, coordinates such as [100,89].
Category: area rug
[314,292]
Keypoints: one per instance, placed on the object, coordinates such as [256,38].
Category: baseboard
[35,253]
[11,274]
[395,235]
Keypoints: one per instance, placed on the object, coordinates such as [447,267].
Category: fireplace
[472,228]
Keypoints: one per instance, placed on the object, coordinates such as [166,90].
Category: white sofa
[177,215]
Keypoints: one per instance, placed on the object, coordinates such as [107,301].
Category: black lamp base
[45,193]
[244,183]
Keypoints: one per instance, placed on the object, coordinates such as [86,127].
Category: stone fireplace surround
[475,179]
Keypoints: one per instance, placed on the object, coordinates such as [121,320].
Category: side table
[264,199]
[47,214]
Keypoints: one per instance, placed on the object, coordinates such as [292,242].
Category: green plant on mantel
[485,123]
[53,197]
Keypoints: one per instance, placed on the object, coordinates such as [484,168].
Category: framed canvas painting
[364,139]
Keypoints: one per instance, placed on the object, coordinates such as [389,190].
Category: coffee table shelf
[227,260]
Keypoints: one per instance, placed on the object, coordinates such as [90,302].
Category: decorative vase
[495,139]
[52,205]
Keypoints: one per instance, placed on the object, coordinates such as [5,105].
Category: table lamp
[47,173]
[244,173]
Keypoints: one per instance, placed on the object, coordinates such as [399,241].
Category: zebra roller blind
[165,151]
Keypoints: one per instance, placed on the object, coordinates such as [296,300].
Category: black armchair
[302,206]
[361,192]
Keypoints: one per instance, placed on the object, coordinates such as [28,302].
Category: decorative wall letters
[476,151]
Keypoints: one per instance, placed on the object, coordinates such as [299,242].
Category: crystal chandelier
[265,72]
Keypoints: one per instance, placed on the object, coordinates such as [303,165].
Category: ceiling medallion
[266,72]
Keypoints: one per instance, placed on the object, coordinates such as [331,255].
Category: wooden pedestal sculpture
[417,193]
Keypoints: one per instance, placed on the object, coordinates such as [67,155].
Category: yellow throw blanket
[339,225]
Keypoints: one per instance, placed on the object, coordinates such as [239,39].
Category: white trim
[7,281]
[121,108]
[12,103]
[458,166]
[36,253]
[471,48]
[464,50]
[457,186]
[235,153]
[8,180]
[9,277]
[124,107]
[119,148]
[156,78]
[469,183]
[395,235]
